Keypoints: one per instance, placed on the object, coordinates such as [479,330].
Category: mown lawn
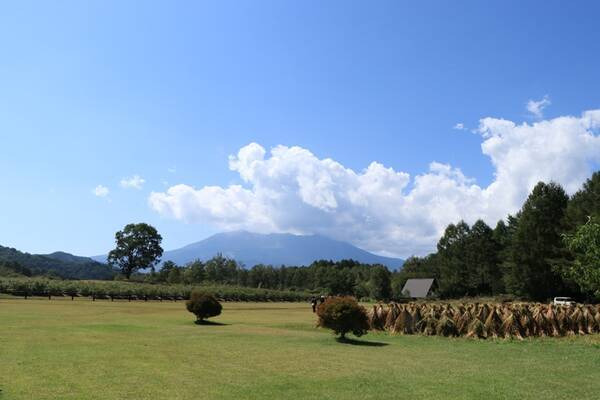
[101,350]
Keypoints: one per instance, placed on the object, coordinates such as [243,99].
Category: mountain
[59,263]
[273,249]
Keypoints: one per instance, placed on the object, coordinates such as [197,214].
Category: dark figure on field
[322,300]
[313,303]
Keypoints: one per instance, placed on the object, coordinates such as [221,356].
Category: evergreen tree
[585,203]
[194,272]
[502,233]
[380,283]
[166,269]
[536,244]
[482,261]
[454,274]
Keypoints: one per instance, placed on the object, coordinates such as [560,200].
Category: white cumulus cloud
[101,191]
[459,126]
[134,182]
[536,108]
[289,189]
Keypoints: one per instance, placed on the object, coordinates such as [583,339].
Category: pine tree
[585,203]
[536,244]
[454,274]
[483,258]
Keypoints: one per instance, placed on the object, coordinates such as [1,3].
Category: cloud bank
[379,209]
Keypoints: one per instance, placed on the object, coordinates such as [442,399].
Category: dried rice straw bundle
[404,323]
[476,329]
[493,324]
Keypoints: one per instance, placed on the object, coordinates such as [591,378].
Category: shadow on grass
[356,342]
[209,323]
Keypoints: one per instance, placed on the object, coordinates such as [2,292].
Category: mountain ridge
[273,249]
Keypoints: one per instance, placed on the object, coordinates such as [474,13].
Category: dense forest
[533,254]
[321,277]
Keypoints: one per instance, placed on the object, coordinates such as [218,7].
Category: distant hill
[273,249]
[68,258]
[62,264]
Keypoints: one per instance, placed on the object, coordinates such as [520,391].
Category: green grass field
[101,350]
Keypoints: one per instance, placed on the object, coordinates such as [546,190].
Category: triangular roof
[417,287]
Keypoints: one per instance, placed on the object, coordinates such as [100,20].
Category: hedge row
[139,291]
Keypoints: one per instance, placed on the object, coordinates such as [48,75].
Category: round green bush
[343,315]
[203,305]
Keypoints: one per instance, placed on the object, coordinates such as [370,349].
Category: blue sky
[94,93]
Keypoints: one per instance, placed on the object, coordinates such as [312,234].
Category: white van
[563,301]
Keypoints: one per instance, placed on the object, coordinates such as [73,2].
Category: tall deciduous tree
[536,244]
[137,247]
[585,269]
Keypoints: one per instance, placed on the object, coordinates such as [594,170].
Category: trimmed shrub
[343,315]
[203,305]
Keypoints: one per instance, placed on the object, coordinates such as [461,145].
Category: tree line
[325,277]
[550,247]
